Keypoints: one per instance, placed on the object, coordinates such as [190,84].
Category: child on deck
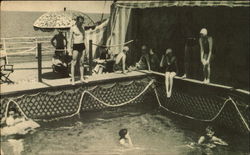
[125,139]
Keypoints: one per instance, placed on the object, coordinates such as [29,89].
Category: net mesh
[48,105]
[227,110]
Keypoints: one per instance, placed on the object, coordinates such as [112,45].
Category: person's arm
[85,40]
[202,50]
[69,48]
[161,63]
[130,141]
[148,63]
[176,66]
[218,141]
[66,42]
[201,140]
[210,43]
[52,41]
[123,62]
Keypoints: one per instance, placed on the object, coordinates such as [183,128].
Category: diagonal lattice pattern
[47,105]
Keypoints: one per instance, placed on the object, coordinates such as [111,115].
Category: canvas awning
[120,14]
[152,4]
[165,23]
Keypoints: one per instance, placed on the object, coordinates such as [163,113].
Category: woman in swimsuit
[206,45]
[169,63]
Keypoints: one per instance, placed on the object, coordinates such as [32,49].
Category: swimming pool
[97,133]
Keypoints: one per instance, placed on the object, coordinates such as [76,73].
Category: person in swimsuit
[121,57]
[153,61]
[59,42]
[125,139]
[209,140]
[77,39]
[169,63]
[191,58]
[206,47]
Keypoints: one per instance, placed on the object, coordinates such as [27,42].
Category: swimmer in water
[16,124]
[12,118]
[209,140]
[125,139]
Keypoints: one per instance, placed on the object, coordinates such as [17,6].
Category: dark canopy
[160,25]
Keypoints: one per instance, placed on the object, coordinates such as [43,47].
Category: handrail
[27,37]
[15,43]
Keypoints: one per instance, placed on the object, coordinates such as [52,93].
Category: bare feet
[184,76]
[73,81]
[84,80]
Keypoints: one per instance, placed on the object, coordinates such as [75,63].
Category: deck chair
[6,70]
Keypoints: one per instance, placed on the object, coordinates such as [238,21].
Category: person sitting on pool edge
[209,140]
[121,58]
[169,64]
[125,139]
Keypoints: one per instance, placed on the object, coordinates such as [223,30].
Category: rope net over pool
[205,107]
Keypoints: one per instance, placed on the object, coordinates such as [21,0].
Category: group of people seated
[148,61]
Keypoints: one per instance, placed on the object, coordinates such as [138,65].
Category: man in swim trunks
[206,46]
[77,39]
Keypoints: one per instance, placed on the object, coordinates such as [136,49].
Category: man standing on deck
[206,46]
[76,46]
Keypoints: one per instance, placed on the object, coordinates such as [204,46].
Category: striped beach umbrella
[60,20]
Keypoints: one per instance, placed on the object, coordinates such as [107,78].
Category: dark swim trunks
[79,47]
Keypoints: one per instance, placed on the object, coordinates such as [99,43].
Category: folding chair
[6,70]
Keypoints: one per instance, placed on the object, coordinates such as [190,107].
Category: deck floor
[53,79]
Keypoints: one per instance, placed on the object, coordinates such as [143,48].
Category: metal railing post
[4,48]
[90,57]
[39,61]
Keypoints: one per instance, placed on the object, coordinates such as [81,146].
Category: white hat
[203,31]
[125,48]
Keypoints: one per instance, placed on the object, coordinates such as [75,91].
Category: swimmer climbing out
[16,124]
[169,63]
[125,139]
[209,140]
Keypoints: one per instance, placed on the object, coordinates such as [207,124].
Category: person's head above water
[11,113]
[210,131]
[123,133]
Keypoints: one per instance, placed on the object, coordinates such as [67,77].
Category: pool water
[96,133]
